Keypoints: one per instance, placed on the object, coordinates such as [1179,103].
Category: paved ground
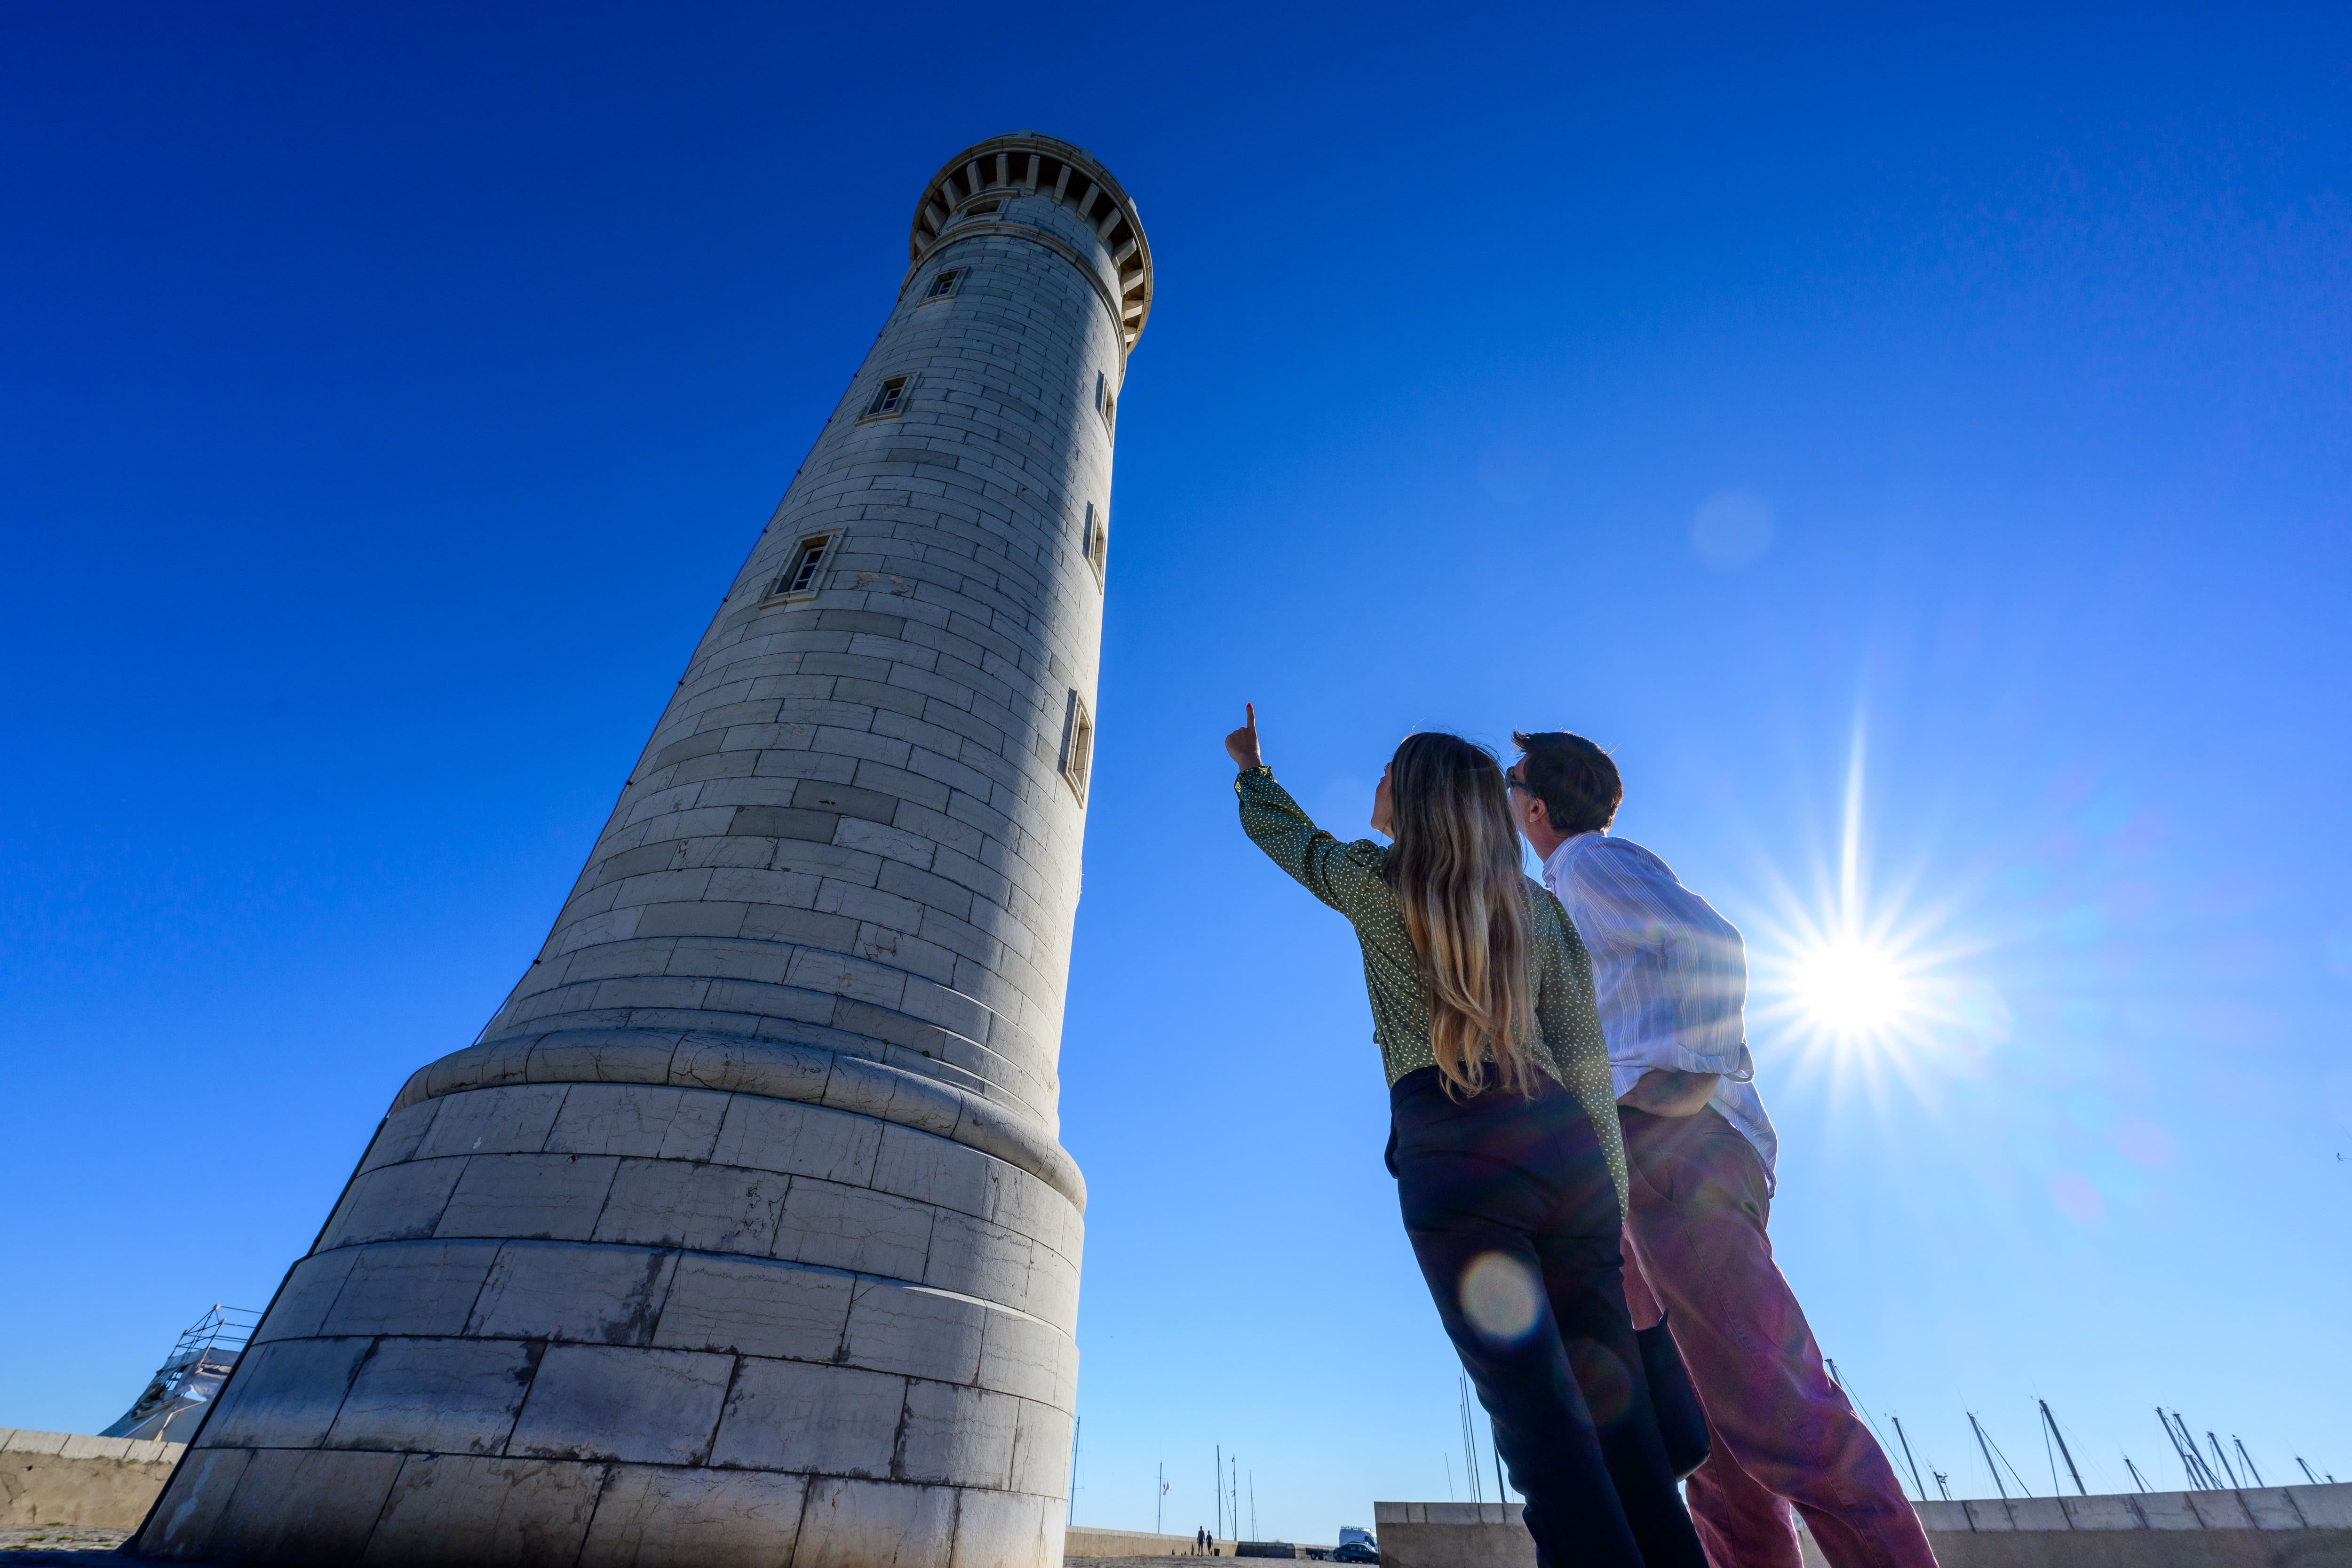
[59,1543]
[93,1548]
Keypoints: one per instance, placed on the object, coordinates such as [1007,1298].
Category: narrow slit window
[800,576]
[1077,745]
[1101,387]
[1110,413]
[1095,542]
[887,397]
[945,283]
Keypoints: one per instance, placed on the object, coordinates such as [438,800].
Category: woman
[1503,1140]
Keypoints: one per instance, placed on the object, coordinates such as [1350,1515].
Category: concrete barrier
[2255,1527]
[66,1477]
[1081,1541]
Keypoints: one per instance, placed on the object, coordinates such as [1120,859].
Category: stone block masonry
[744,1234]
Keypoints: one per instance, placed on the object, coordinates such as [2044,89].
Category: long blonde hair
[1455,871]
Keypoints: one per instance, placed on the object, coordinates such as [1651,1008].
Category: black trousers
[1514,1222]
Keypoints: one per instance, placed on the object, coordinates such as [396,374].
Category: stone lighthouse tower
[744,1234]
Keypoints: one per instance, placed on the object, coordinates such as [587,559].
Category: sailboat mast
[2071,1470]
[1908,1459]
[1986,1449]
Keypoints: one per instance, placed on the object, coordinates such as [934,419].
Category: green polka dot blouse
[1347,878]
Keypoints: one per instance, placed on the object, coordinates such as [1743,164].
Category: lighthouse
[743,1234]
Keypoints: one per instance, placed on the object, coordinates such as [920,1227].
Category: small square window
[1077,745]
[945,283]
[1095,542]
[800,575]
[888,398]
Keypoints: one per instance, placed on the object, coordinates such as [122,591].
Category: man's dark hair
[1574,778]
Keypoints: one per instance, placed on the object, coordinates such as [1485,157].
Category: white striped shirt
[1670,975]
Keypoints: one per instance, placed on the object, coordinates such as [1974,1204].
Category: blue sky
[392,391]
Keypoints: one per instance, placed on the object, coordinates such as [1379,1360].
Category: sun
[1851,988]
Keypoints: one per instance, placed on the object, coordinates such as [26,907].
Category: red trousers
[1784,1434]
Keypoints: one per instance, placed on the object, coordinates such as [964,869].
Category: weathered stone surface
[604,1402]
[961,1437]
[1036,1360]
[284,1394]
[410,1287]
[449,1510]
[651,1518]
[845,1227]
[743,1306]
[794,1415]
[708,1208]
[798,1140]
[917,1331]
[186,1524]
[594,1295]
[1041,1452]
[436,1395]
[1004,1530]
[307,1507]
[541,1196]
[877,1524]
[311,1286]
[392,1203]
[508,1120]
[612,1119]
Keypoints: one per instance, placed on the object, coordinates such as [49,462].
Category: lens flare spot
[1732,529]
[2076,1198]
[2146,1143]
[2339,949]
[1851,988]
[1500,1295]
[1608,1387]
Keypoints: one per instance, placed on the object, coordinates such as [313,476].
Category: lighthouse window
[887,397]
[1101,387]
[945,283]
[1077,745]
[808,557]
[1095,542]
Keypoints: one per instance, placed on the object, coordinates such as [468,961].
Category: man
[1671,978]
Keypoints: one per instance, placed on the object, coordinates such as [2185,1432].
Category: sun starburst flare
[1849,987]
[1867,981]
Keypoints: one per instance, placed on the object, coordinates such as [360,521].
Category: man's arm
[1663,1092]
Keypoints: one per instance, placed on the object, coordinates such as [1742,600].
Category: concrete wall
[2276,1527]
[64,1478]
[745,1234]
[2256,1527]
[1080,1541]
[1452,1535]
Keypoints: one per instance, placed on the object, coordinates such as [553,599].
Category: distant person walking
[1671,978]
[1503,1136]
